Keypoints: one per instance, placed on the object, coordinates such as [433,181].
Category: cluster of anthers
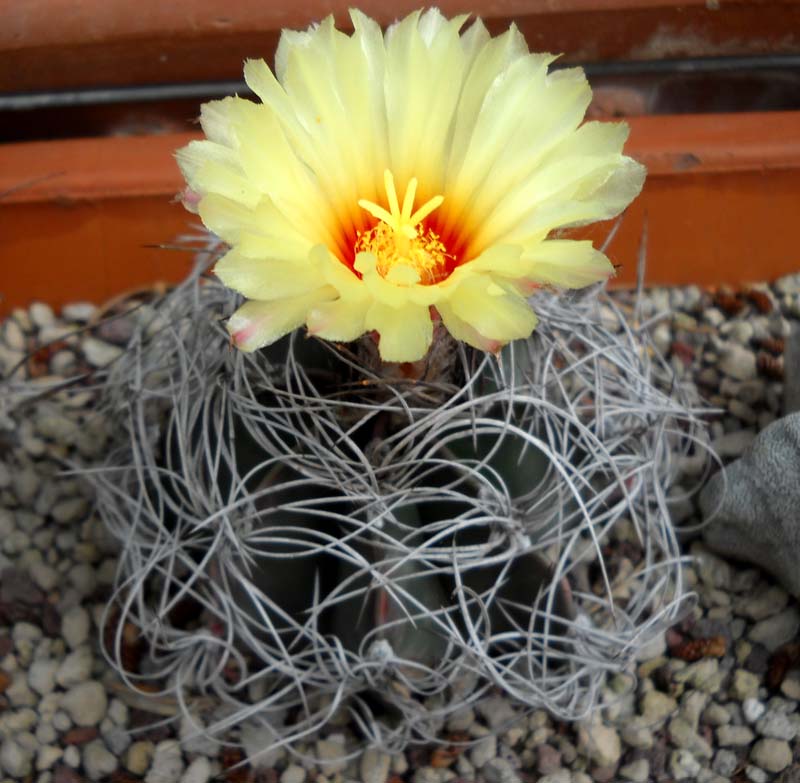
[407,252]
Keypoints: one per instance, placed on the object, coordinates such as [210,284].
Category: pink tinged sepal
[256,324]
[190,200]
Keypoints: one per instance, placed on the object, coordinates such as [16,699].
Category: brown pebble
[773,345]
[64,774]
[51,621]
[770,366]
[80,735]
[6,645]
[695,649]
[123,776]
[760,299]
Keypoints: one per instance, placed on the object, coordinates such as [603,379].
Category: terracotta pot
[47,44]
[83,219]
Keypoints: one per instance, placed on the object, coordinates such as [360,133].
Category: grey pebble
[167,766]
[98,761]
[86,703]
[15,760]
[771,754]
[99,353]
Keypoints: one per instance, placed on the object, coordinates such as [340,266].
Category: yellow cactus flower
[388,179]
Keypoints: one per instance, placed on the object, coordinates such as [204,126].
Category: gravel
[716,698]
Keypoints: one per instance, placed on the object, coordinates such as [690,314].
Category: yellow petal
[266,279]
[464,332]
[405,332]
[256,324]
[496,312]
[567,263]
[259,232]
[342,320]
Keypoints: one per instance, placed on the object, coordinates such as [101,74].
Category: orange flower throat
[407,253]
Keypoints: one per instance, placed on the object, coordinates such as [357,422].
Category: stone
[86,703]
[637,734]
[752,709]
[485,750]
[791,372]
[683,765]
[763,604]
[199,771]
[373,766]
[137,759]
[638,771]
[656,706]
[75,626]
[41,314]
[734,736]
[75,668]
[47,756]
[331,755]
[167,766]
[600,742]
[98,761]
[99,353]
[79,312]
[777,725]
[725,762]
[744,685]
[777,630]
[771,754]
[498,770]
[293,774]
[756,517]
[756,774]
[42,675]
[15,760]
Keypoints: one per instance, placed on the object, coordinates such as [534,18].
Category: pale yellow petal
[256,324]
[342,320]
[496,312]
[425,67]
[258,232]
[567,263]
[266,279]
[405,332]
[463,331]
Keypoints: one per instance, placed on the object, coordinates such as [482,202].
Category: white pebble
[41,314]
[99,353]
[97,760]
[199,771]
[75,626]
[167,764]
[752,709]
[75,668]
[78,311]
[15,759]
[86,703]
[47,756]
[42,676]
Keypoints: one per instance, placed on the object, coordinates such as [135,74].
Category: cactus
[392,540]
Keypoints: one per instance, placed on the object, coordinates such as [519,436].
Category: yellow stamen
[405,254]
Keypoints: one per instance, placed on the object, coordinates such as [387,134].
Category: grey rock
[777,725]
[752,709]
[15,760]
[758,517]
[771,754]
[638,771]
[485,750]
[725,762]
[75,626]
[778,629]
[763,604]
[86,703]
[729,736]
[99,353]
[499,770]
[374,766]
[199,771]
[791,372]
[98,761]
[600,742]
[293,774]
[683,765]
[744,685]
[756,774]
[42,675]
[737,362]
[167,764]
